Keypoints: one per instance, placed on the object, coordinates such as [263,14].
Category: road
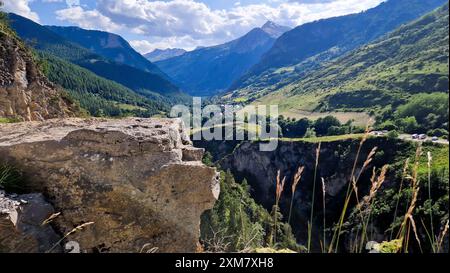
[409,137]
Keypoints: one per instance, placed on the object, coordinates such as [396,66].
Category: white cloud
[72,3]
[69,3]
[312,1]
[89,19]
[22,8]
[189,23]
[145,46]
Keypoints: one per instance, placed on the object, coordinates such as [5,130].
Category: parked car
[435,138]
[415,136]
[422,136]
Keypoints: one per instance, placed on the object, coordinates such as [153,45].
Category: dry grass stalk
[74,230]
[280,187]
[355,189]
[367,162]
[429,161]
[376,184]
[365,213]
[297,178]
[324,190]
[318,153]
[352,187]
[219,242]
[50,219]
[408,220]
[413,224]
[404,175]
[324,193]
[337,233]
[278,193]
[310,224]
[442,236]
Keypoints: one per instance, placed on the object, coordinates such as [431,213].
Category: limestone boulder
[139,181]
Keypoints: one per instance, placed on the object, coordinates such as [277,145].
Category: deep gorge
[336,160]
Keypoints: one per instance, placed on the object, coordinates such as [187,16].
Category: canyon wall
[138,183]
[335,164]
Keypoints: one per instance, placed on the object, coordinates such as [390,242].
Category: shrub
[438,132]
[393,134]
[408,124]
[322,125]
[387,125]
[11,179]
[237,223]
[311,132]
[429,110]
[337,130]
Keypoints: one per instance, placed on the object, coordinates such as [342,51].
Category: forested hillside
[98,95]
[109,46]
[380,77]
[44,40]
[326,39]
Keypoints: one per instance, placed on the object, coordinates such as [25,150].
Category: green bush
[408,124]
[438,132]
[387,125]
[393,134]
[322,125]
[429,110]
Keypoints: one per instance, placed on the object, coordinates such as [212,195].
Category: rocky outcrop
[335,165]
[25,93]
[139,180]
[22,227]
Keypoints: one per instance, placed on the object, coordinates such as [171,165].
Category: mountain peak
[273,29]
[270,24]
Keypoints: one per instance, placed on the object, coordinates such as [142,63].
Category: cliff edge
[139,181]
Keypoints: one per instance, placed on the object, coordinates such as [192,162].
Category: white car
[435,138]
[422,136]
[415,136]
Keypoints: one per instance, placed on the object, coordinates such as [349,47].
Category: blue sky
[150,24]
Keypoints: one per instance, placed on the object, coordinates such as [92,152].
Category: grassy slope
[409,60]
[96,93]
[46,41]
[116,49]
[310,44]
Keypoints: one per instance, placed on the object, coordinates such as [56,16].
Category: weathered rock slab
[139,180]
